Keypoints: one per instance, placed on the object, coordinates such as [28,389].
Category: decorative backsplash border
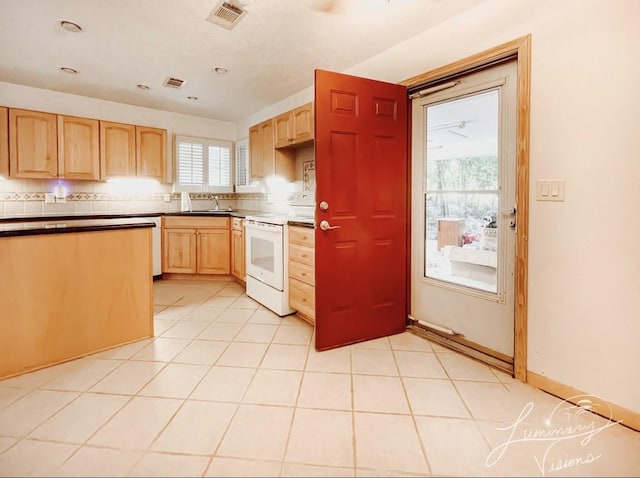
[79,196]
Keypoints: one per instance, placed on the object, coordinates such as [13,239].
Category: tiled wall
[27,198]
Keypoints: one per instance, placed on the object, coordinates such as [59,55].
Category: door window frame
[520,50]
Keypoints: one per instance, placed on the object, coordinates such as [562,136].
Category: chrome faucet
[217,204]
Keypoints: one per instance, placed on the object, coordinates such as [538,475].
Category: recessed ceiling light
[221,70]
[143,87]
[192,98]
[71,71]
[70,26]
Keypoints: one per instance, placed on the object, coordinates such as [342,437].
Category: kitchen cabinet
[264,159]
[117,149]
[294,127]
[4,142]
[78,148]
[33,144]
[237,249]
[195,245]
[302,278]
[151,152]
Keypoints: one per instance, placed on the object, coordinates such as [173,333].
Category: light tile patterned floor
[227,388]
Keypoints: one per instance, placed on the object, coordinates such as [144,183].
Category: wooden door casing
[361,172]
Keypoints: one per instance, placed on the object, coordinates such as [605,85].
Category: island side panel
[67,295]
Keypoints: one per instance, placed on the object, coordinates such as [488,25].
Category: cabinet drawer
[195,222]
[302,297]
[303,254]
[302,272]
[302,235]
[236,223]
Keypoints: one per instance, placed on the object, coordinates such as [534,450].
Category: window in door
[462,195]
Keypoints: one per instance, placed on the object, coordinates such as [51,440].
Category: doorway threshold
[427,333]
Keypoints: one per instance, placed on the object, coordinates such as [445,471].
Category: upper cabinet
[294,127]
[33,144]
[117,149]
[151,152]
[4,142]
[261,151]
[78,148]
[129,150]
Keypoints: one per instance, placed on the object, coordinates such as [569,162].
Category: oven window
[262,254]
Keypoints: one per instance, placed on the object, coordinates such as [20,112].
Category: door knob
[324,205]
[325,226]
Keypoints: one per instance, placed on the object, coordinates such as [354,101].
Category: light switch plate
[550,190]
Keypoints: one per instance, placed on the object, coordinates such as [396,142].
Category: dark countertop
[309,224]
[32,228]
[51,224]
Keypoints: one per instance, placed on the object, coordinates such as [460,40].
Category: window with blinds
[203,165]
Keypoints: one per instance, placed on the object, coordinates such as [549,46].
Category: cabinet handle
[304,255]
[303,274]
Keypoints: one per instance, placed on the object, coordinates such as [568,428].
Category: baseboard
[626,417]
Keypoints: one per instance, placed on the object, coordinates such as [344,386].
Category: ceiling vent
[226,14]
[174,82]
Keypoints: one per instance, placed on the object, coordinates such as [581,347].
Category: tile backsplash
[26,197]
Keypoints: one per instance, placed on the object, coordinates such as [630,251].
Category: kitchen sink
[212,212]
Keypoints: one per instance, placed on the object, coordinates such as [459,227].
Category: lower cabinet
[302,277]
[238,269]
[195,245]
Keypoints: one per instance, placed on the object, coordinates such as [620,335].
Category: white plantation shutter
[190,163]
[219,166]
[203,165]
[242,163]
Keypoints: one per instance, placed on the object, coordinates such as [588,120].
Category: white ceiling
[271,53]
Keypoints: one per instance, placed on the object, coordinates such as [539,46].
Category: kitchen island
[71,289]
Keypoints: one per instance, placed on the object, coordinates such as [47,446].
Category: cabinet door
[268,149]
[213,251]
[33,144]
[255,153]
[4,142]
[78,148]
[151,152]
[117,149]
[179,251]
[283,129]
[303,124]
[237,254]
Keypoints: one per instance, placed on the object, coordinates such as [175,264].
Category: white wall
[19,96]
[584,264]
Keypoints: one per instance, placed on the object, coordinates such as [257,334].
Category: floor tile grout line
[423,447]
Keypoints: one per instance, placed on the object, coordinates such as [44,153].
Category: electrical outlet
[167,197]
[49,198]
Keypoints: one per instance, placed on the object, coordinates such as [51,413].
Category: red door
[361,175]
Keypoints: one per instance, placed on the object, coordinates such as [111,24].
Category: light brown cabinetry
[237,249]
[117,149]
[4,142]
[151,152]
[294,127]
[78,148]
[195,245]
[264,159]
[302,277]
[33,144]
[261,150]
